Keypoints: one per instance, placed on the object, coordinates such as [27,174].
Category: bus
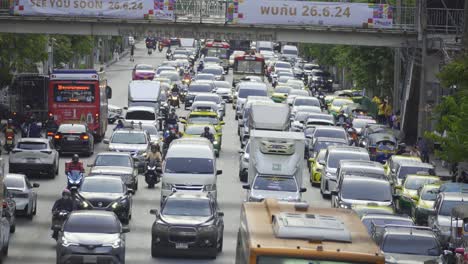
[220,49]
[80,96]
[276,232]
[248,64]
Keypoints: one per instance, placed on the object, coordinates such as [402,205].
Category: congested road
[32,242]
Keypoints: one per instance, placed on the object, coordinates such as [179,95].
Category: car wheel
[13,227]
[35,209]
[154,251]
[57,169]
[220,245]
[5,250]
[242,177]
[52,172]
[29,215]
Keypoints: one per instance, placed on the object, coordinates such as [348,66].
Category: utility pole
[397,66]
[465,29]
[422,38]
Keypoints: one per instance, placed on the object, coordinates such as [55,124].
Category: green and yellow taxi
[195,130]
[423,203]
[391,164]
[408,191]
[280,94]
[362,210]
[337,103]
[316,167]
[204,118]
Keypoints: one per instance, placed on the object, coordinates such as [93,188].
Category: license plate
[89,259]
[71,138]
[181,245]
[31,159]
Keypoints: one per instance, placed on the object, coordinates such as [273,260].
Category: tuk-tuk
[458,241]
[381,146]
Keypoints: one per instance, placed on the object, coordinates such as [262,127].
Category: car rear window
[113,160]
[32,145]
[95,185]
[200,88]
[89,223]
[371,191]
[411,245]
[14,182]
[72,129]
[140,115]
[243,93]
[334,158]
[330,133]
[275,183]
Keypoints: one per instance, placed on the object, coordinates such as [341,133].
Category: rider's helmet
[207,129]
[342,112]
[51,118]
[66,193]
[173,110]
[120,122]
[153,147]
[75,158]
[27,107]
[10,121]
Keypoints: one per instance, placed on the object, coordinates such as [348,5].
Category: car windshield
[447,206]
[360,123]
[198,130]
[14,182]
[319,145]
[129,138]
[170,75]
[331,133]
[97,185]
[414,183]
[32,145]
[243,93]
[189,165]
[371,191]
[214,71]
[200,88]
[383,222]
[71,129]
[275,183]
[113,160]
[341,102]
[144,68]
[92,223]
[411,245]
[212,120]
[406,170]
[187,207]
[429,194]
[140,115]
[334,158]
[207,98]
[306,101]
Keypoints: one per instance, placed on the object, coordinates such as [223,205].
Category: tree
[68,49]
[452,113]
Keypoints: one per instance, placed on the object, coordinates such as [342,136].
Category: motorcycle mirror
[130,191]
[125,229]
[36,185]
[73,189]
[219,172]
[153,211]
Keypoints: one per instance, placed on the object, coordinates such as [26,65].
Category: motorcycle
[174,100]
[58,218]
[169,54]
[183,94]
[9,140]
[74,179]
[160,46]
[153,173]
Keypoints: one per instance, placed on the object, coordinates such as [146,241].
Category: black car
[106,193]
[91,237]
[195,89]
[74,138]
[188,224]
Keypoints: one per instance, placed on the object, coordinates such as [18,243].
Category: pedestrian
[388,113]
[116,55]
[132,52]
[423,149]
[376,100]
[381,112]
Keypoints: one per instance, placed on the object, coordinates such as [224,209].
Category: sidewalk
[122,55]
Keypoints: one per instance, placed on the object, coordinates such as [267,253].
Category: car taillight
[84,137]
[57,136]
[4,204]
[50,133]
[10,137]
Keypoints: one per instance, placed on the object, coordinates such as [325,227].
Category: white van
[264,45]
[141,114]
[289,52]
[190,166]
[144,93]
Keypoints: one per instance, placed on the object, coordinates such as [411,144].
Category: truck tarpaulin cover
[124,9]
[284,12]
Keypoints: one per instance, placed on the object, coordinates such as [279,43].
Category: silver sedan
[23,193]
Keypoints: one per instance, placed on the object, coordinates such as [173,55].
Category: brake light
[4,204]
[50,133]
[57,136]
[10,137]
[84,137]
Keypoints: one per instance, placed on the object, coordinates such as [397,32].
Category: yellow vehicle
[280,94]
[392,162]
[362,210]
[275,232]
[195,130]
[337,103]
[204,118]
[423,203]
[316,167]
[409,190]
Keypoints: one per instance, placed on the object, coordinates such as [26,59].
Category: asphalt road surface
[32,242]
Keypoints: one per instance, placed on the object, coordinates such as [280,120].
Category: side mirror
[334,192]
[89,165]
[220,214]
[246,186]
[183,121]
[219,172]
[125,108]
[108,92]
[398,187]
[222,123]
[311,160]
[36,185]
[303,190]
[125,229]
[130,191]
[105,141]
[154,212]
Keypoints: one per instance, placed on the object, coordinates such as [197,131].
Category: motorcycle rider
[50,124]
[207,134]
[168,140]
[75,164]
[341,118]
[172,118]
[175,89]
[353,134]
[154,153]
[119,125]
[65,203]
[31,129]
[200,66]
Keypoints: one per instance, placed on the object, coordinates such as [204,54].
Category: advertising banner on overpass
[123,9]
[307,13]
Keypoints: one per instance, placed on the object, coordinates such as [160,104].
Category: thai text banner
[125,9]
[277,12]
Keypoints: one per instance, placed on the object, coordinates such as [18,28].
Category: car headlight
[115,244]
[166,186]
[207,229]
[209,187]
[215,142]
[84,204]
[115,205]
[67,243]
[245,159]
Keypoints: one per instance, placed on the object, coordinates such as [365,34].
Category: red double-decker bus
[80,96]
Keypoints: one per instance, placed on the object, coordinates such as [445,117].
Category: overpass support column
[397,87]
[422,39]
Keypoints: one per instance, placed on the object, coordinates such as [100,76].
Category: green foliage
[68,47]
[452,113]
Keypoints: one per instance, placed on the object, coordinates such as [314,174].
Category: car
[188,224]
[9,209]
[406,167]
[118,164]
[319,143]
[330,132]
[211,61]
[141,115]
[217,71]
[306,108]
[283,188]
[305,101]
[204,118]
[195,130]
[408,244]
[295,84]
[357,190]
[161,69]
[332,160]
[316,167]
[360,123]
[4,237]
[131,140]
[423,203]
[143,72]
[225,93]
[359,168]
[105,193]
[87,236]
[206,106]
[74,138]
[409,189]
[195,88]
[337,103]
[204,77]
[246,89]
[34,156]
[244,156]
[295,93]
[391,164]
[23,193]
[280,93]
[215,99]
[372,220]
[298,120]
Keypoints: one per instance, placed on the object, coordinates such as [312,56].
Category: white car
[34,156]
[141,114]
[244,157]
[23,193]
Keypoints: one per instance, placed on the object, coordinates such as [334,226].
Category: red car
[143,72]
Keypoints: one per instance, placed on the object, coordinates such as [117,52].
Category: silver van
[144,93]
